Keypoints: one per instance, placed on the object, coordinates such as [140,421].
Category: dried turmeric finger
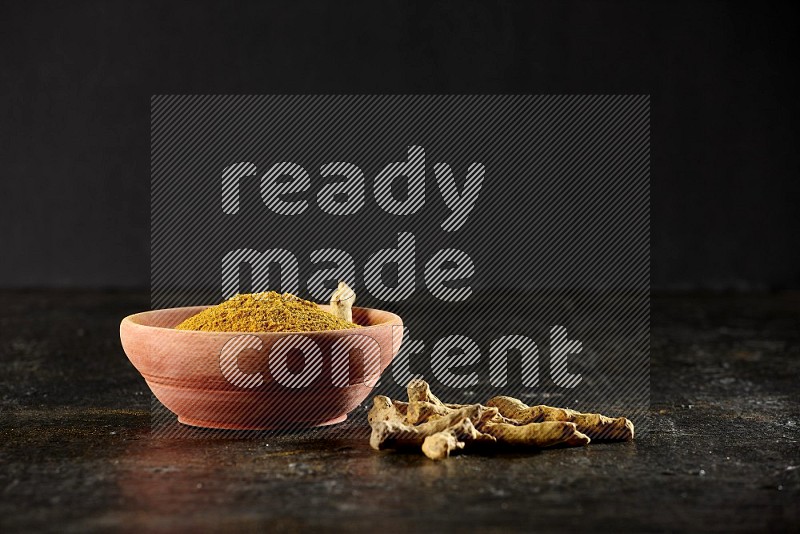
[342,301]
[596,426]
[421,411]
[442,428]
[539,435]
[439,446]
[392,432]
[386,409]
[423,405]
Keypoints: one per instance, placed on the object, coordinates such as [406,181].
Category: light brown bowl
[184,370]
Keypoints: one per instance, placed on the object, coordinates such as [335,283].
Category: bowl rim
[394,320]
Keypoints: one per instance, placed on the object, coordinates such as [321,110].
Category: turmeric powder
[265,312]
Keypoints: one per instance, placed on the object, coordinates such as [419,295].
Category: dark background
[76,80]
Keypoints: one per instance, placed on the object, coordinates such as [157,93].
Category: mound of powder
[265,312]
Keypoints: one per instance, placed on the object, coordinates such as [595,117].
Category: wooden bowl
[265,380]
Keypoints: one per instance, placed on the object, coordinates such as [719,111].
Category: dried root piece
[342,301]
[423,404]
[539,435]
[397,433]
[386,409]
[439,446]
[419,390]
[441,429]
[596,426]
[421,411]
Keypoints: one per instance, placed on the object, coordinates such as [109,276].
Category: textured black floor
[722,454]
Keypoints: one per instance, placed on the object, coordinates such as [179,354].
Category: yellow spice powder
[265,312]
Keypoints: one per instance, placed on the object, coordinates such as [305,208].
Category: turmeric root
[419,390]
[386,409]
[539,435]
[421,411]
[342,301]
[392,432]
[441,428]
[596,426]
[423,404]
[439,446]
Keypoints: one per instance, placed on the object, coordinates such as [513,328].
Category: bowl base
[218,425]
